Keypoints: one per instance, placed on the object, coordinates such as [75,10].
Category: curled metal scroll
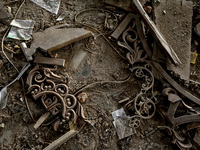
[49,88]
[131,42]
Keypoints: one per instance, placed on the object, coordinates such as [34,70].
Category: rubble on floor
[76,96]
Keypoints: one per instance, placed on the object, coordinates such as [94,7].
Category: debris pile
[158,82]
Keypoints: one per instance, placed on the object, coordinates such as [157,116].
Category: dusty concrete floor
[100,63]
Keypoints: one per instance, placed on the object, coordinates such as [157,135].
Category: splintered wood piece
[55,144]
[41,120]
[122,26]
[155,33]
[49,61]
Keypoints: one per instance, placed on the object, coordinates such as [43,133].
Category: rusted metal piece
[175,84]
[156,34]
[55,38]
[182,119]
[141,104]
[160,73]
[131,42]
[144,106]
[134,121]
[175,101]
[71,115]
[144,72]
[167,91]
[64,138]
[177,139]
[131,39]
[134,19]
[142,38]
[49,88]
[49,61]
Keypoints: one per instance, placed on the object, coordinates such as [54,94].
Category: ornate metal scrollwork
[131,42]
[50,89]
[143,105]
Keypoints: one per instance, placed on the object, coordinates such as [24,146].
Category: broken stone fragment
[4,13]
[2,125]
[55,38]
[197,29]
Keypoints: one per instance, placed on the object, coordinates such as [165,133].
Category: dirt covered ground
[87,61]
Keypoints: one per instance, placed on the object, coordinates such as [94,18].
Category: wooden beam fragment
[155,33]
[41,120]
[64,138]
[122,26]
[49,61]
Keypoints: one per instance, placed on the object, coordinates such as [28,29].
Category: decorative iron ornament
[131,42]
[51,90]
[143,106]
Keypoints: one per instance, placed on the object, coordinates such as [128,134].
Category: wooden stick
[55,144]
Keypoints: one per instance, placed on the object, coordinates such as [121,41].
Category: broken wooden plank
[49,61]
[122,26]
[176,26]
[64,138]
[55,38]
[142,38]
[41,120]
[155,33]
